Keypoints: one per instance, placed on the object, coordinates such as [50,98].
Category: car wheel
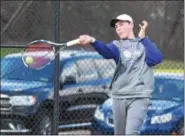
[43,123]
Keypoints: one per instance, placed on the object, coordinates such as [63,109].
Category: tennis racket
[40,53]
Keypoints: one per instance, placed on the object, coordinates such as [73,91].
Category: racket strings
[41,54]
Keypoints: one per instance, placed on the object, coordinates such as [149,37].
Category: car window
[105,67]
[69,71]
[86,70]
[172,89]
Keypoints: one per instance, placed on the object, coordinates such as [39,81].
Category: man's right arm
[108,51]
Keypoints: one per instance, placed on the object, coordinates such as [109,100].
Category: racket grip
[73,42]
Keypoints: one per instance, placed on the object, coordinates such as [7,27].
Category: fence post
[55,122]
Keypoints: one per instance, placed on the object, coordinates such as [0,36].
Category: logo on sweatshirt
[127,54]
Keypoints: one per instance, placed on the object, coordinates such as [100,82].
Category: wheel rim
[46,125]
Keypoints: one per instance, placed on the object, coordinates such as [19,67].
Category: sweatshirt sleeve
[153,54]
[108,51]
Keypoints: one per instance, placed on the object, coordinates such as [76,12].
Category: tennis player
[133,81]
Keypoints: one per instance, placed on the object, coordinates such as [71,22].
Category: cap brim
[113,22]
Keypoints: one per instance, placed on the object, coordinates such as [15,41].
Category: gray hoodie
[133,77]
[135,59]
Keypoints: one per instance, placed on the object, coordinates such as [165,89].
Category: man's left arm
[153,54]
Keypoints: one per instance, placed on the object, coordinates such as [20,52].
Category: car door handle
[104,86]
[80,90]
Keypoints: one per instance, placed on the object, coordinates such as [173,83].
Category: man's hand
[143,27]
[86,39]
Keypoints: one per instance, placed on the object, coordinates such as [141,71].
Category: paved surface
[75,132]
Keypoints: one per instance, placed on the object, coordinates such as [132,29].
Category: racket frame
[66,44]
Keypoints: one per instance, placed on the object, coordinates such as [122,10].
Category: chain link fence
[27,95]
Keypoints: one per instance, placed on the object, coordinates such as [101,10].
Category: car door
[68,91]
[83,89]
[106,69]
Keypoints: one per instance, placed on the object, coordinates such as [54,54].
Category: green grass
[5,51]
[170,66]
[170,70]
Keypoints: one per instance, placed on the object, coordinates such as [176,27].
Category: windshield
[168,88]
[13,68]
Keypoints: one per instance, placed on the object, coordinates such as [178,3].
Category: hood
[161,106]
[22,86]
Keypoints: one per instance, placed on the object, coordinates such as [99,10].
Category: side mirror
[69,80]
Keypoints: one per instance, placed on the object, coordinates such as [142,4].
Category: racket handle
[73,42]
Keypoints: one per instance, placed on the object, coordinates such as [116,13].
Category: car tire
[42,123]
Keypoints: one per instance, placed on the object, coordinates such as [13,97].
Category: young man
[133,81]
